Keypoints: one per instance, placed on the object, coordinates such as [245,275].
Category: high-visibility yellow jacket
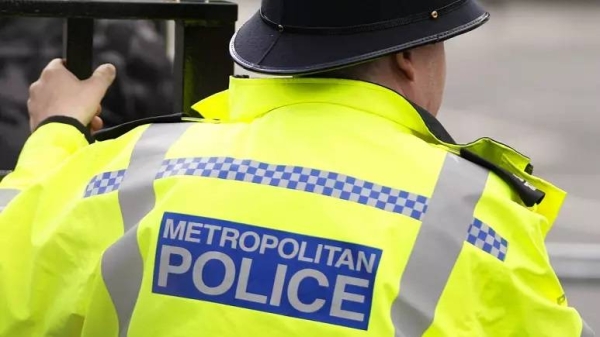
[299,207]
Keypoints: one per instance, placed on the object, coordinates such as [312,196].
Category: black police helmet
[293,37]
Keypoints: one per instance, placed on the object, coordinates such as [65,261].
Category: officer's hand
[59,93]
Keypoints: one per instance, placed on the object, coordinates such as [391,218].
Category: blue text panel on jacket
[267,270]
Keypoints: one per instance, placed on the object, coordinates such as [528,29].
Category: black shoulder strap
[119,130]
[530,195]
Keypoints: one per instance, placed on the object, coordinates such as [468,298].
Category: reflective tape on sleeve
[6,196]
[122,264]
[438,245]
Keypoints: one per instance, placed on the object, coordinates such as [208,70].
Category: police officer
[332,203]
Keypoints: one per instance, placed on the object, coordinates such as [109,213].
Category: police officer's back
[320,205]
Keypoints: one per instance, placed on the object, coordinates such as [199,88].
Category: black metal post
[202,62]
[78,40]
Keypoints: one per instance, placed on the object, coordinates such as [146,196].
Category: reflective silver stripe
[122,264]
[439,242]
[136,193]
[587,331]
[122,272]
[6,196]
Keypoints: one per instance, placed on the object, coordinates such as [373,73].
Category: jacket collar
[239,103]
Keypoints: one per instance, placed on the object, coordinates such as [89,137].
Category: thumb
[101,79]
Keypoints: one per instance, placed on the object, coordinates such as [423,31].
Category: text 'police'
[264,269]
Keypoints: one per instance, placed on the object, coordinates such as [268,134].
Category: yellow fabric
[214,107]
[44,151]
[520,297]
[54,285]
[51,239]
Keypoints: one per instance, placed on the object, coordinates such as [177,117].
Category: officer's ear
[404,63]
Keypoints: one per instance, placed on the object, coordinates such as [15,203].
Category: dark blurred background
[143,88]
